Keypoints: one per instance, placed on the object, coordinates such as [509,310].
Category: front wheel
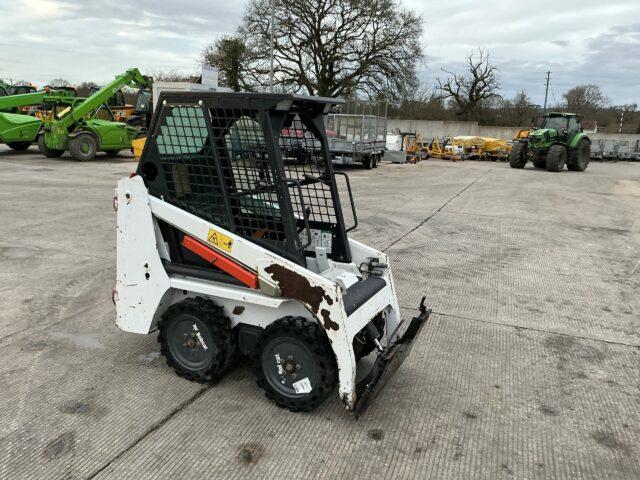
[295,365]
[19,146]
[517,157]
[581,157]
[196,339]
[556,158]
[83,147]
[46,151]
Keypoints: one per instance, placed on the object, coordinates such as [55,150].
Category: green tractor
[557,140]
[81,130]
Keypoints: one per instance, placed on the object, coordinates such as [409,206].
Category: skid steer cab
[231,240]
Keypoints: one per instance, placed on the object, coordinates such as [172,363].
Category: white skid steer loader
[231,239]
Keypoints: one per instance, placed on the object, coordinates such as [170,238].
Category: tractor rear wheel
[581,157]
[83,147]
[196,339]
[46,151]
[294,364]
[19,146]
[517,158]
[556,158]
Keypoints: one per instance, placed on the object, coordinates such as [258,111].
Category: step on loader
[230,243]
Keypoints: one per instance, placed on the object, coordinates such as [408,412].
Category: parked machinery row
[60,121]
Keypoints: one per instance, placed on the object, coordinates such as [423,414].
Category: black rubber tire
[307,337]
[19,146]
[214,328]
[556,158]
[375,161]
[581,156]
[367,162]
[83,147]
[517,158]
[46,151]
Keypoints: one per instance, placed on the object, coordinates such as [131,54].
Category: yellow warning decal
[219,240]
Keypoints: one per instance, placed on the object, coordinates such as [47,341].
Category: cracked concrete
[527,370]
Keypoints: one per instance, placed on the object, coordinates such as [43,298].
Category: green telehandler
[80,130]
[556,140]
[20,131]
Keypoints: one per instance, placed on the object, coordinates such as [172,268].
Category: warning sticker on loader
[220,240]
[302,386]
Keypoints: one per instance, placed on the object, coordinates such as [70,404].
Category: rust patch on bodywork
[328,323]
[296,286]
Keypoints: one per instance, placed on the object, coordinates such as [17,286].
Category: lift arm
[131,77]
[24,100]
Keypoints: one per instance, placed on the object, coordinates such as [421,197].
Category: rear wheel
[83,147]
[19,146]
[556,158]
[196,339]
[367,162]
[517,158]
[46,151]
[375,160]
[294,364]
[581,157]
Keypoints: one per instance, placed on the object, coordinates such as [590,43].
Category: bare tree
[232,58]
[335,47]
[517,111]
[84,88]
[585,99]
[468,91]
[59,82]
[171,75]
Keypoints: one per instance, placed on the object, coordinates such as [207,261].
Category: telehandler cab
[557,140]
[80,130]
[229,241]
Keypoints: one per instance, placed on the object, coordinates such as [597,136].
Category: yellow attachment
[137,147]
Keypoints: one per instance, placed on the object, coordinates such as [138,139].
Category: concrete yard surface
[527,370]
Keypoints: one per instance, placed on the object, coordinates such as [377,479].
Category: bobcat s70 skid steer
[231,239]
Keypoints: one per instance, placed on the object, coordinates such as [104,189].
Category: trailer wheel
[19,146]
[196,339]
[375,160]
[294,364]
[46,151]
[366,162]
[83,147]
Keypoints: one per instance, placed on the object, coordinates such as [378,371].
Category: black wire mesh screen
[192,178]
[248,176]
[304,161]
[231,178]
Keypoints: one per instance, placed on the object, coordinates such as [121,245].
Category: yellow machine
[482,148]
[444,150]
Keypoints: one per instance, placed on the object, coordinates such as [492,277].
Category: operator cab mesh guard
[232,238]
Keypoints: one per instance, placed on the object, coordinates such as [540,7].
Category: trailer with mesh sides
[358,133]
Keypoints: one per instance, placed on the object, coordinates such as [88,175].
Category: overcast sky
[579,41]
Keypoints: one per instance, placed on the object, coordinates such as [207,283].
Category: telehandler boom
[82,133]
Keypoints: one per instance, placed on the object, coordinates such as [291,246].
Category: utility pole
[546,92]
[621,120]
[272,5]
